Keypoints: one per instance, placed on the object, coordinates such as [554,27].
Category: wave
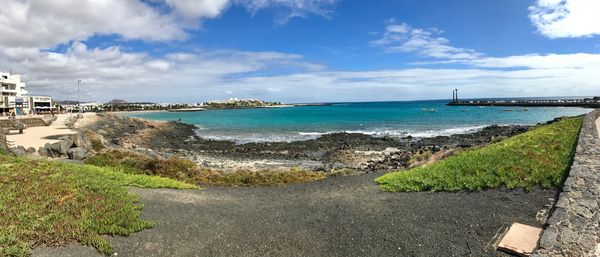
[242,138]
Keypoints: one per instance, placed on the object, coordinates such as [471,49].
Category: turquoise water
[376,118]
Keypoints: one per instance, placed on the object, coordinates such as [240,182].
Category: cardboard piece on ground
[520,239]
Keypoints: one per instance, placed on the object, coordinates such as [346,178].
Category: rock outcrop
[75,147]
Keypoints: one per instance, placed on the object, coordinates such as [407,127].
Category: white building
[41,103]
[14,94]
[14,98]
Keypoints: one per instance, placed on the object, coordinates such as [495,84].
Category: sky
[302,50]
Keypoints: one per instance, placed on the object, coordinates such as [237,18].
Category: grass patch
[54,203]
[188,171]
[539,157]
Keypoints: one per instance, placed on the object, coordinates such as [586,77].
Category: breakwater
[583,103]
[573,229]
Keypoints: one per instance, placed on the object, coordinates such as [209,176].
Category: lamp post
[78,96]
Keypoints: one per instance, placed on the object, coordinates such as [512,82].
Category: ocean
[396,119]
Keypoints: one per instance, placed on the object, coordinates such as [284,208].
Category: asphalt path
[338,216]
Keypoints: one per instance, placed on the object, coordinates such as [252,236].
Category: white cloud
[198,76]
[566,18]
[427,42]
[537,61]
[194,9]
[291,8]
[114,73]
[45,24]
[191,10]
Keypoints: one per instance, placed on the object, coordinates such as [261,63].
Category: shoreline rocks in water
[337,151]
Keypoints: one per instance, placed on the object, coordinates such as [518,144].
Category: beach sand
[37,137]
[598,126]
[87,119]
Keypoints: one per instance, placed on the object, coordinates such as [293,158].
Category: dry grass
[188,171]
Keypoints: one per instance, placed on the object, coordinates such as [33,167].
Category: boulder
[30,150]
[18,151]
[56,148]
[65,144]
[80,140]
[46,150]
[77,153]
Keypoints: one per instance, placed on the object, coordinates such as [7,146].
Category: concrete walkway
[38,136]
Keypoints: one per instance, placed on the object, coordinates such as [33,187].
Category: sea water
[396,119]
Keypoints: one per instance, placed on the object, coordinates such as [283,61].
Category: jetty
[186,110]
[593,102]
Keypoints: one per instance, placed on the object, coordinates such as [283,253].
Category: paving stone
[520,239]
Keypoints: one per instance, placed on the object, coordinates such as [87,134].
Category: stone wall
[3,142]
[29,121]
[573,228]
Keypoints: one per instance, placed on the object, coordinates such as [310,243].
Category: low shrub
[55,203]
[539,157]
[188,171]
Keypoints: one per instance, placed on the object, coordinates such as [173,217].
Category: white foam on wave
[447,132]
[302,136]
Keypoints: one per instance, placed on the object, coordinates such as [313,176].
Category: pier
[584,103]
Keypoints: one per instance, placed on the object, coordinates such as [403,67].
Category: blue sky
[303,50]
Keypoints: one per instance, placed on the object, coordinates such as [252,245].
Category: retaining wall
[573,228]
[29,121]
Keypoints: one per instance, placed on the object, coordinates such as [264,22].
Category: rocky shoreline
[331,152]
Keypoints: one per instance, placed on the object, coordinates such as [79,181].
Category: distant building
[41,103]
[14,97]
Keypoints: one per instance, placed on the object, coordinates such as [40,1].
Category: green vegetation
[539,157]
[54,203]
[188,171]
[257,178]
[239,104]
[94,138]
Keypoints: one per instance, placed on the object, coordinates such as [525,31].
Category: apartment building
[14,98]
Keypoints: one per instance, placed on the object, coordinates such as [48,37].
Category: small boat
[525,110]
[508,110]
[465,110]
[429,110]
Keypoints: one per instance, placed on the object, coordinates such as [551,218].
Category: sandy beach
[39,136]
[598,126]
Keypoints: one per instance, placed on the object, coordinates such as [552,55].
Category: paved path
[38,136]
[339,216]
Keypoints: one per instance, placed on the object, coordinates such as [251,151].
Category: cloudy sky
[302,50]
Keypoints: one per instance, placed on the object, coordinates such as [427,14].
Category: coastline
[359,153]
